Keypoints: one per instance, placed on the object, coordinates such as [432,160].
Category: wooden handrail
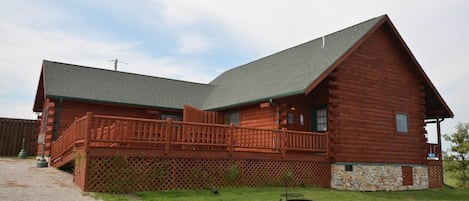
[160,121]
[66,142]
[114,131]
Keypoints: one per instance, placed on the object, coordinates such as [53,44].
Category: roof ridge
[295,46]
[123,72]
[363,22]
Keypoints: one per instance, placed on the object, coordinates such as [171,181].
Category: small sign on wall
[264,105]
[41,138]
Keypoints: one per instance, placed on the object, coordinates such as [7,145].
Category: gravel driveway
[22,180]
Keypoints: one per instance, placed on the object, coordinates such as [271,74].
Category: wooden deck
[102,133]
[183,149]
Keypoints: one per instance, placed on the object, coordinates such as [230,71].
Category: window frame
[291,119]
[398,121]
[314,118]
[228,119]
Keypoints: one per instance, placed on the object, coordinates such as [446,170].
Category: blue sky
[197,40]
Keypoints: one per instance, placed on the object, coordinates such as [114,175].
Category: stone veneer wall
[376,177]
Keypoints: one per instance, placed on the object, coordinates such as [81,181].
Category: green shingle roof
[85,83]
[284,73]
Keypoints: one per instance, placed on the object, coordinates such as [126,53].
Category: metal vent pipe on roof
[323,42]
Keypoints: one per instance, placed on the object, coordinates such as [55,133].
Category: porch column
[438,132]
[440,155]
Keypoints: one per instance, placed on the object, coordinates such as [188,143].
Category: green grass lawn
[316,194]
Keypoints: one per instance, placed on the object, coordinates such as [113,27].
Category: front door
[319,118]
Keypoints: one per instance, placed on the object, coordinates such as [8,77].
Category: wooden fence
[192,114]
[12,132]
[168,135]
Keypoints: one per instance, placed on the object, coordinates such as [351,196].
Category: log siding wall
[374,83]
[256,117]
[46,126]
[276,115]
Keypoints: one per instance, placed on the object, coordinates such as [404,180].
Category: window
[319,119]
[174,117]
[349,168]
[233,117]
[302,120]
[402,123]
[291,118]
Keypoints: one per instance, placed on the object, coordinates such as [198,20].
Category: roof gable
[435,106]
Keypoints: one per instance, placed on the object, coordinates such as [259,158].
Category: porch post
[438,132]
[283,142]
[167,136]
[231,139]
[440,155]
[328,150]
[89,116]
[89,121]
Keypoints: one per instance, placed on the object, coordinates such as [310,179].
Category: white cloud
[33,13]
[265,26]
[193,43]
[179,13]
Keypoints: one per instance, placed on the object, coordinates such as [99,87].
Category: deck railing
[73,137]
[433,151]
[125,132]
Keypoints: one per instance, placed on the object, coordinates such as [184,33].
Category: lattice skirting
[434,176]
[121,174]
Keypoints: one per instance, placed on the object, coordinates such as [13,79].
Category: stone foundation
[376,177]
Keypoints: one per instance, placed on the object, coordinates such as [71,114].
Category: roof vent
[323,42]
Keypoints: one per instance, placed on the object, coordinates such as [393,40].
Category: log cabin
[345,111]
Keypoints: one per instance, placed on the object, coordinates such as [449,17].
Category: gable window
[402,123]
[319,118]
[174,117]
[233,118]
